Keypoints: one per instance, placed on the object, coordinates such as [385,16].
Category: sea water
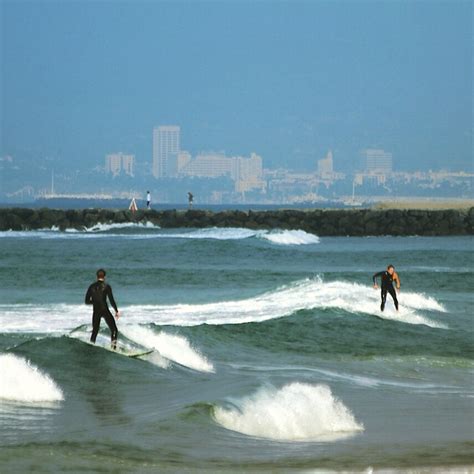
[270,352]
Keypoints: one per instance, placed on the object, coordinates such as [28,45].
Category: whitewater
[261,350]
[313,293]
[278,237]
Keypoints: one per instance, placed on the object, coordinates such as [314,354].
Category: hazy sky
[288,80]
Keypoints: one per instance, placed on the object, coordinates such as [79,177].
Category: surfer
[97,295]
[388,277]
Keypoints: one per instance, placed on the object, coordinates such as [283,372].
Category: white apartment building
[245,172]
[208,165]
[166,147]
[325,166]
[115,163]
[377,161]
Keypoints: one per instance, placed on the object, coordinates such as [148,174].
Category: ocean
[270,353]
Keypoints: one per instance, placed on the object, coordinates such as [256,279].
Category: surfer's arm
[376,275]
[396,279]
[111,298]
[88,299]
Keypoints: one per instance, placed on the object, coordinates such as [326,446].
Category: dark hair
[390,266]
[100,273]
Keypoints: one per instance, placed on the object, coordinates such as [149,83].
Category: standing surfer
[388,277]
[97,295]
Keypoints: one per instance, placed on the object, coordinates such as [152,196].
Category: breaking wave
[173,347]
[306,294]
[21,381]
[295,412]
[279,237]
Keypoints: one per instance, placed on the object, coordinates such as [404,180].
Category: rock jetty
[323,222]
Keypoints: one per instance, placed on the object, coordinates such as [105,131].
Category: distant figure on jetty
[148,200]
[97,295]
[190,200]
[388,277]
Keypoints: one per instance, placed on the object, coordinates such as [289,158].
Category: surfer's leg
[393,294]
[109,319]
[383,295]
[95,326]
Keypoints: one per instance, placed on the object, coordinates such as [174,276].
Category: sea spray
[173,347]
[284,301]
[295,412]
[278,237]
[21,381]
[290,237]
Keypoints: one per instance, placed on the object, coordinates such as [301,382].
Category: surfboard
[139,354]
[123,352]
[133,354]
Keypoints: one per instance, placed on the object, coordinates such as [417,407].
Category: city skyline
[290,81]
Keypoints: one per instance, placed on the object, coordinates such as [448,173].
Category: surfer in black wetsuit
[97,295]
[388,277]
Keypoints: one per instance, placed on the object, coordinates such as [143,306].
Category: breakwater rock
[323,222]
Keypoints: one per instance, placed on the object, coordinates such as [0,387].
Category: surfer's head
[100,274]
[390,269]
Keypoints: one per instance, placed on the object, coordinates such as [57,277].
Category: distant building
[183,160]
[128,164]
[249,174]
[166,147]
[325,166]
[115,163]
[377,161]
[245,172]
[209,165]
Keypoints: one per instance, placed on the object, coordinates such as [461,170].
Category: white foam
[171,346]
[123,347]
[100,227]
[97,231]
[279,237]
[301,295]
[291,237]
[215,233]
[295,412]
[21,381]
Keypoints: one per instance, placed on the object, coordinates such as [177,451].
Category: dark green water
[271,353]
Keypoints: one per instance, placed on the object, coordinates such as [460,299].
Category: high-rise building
[115,163]
[377,161]
[325,166]
[165,150]
[128,164]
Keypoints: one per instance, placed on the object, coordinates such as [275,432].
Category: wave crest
[21,381]
[307,294]
[295,412]
[171,346]
[279,237]
[291,237]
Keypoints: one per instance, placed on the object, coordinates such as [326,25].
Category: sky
[288,80]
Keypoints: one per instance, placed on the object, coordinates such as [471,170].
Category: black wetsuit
[97,295]
[386,286]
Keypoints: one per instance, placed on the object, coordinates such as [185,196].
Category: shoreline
[322,222]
